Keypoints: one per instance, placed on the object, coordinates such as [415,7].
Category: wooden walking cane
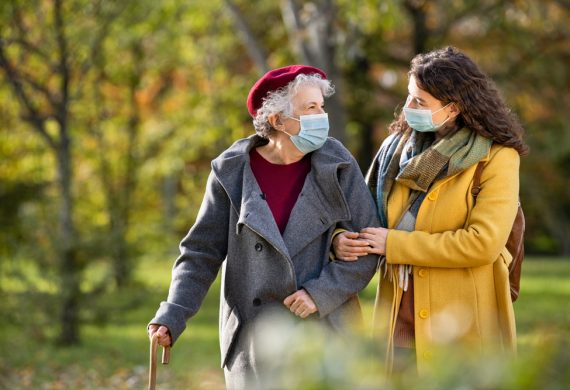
[165,360]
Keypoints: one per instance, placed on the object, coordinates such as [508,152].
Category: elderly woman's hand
[348,247]
[163,334]
[376,238]
[300,303]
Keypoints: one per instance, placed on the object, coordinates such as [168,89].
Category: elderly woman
[445,279]
[271,205]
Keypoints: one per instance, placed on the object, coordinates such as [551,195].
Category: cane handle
[165,360]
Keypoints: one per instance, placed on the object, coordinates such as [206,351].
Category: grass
[114,349]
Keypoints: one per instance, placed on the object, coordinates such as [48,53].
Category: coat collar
[321,202]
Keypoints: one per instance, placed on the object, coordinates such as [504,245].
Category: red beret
[273,80]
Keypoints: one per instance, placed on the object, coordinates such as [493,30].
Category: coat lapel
[320,205]
[256,215]
[234,173]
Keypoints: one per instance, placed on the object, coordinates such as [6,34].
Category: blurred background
[111,111]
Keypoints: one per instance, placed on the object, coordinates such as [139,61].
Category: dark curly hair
[452,77]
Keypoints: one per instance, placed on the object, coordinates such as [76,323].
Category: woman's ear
[275,120]
[454,110]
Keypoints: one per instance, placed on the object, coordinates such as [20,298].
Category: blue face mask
[313,134]
[421,120]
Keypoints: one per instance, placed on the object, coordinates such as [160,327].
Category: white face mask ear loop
[290,117]
[448,116]
[438,110]
[443,123]
[456,109]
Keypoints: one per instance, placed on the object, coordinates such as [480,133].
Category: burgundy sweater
[280,184]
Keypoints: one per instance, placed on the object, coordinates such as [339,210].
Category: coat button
[427,355]
[258,247]
[422,273]
[256,302]
[424,313]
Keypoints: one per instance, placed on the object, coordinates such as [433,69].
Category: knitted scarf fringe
[404,271]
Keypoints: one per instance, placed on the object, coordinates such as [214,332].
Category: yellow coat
[459,259]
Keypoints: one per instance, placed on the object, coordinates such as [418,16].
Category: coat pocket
[228,335]
[501,271]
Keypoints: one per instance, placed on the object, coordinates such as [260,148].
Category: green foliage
[158,89]
[114,353]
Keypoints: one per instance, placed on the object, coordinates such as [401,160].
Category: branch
[564,4]
[95,51]
[19,22]
[63,66]
[254,48]
[28,78]
[475,10]
[32,115]
[30,47]
[542,45]
[154,148]
[295,29]
[38,87]
[320,33]
[417,11]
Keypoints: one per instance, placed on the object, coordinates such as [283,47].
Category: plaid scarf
[414,160]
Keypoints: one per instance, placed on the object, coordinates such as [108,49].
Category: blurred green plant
[114,351]
[141,95]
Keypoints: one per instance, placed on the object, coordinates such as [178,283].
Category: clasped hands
[349,246]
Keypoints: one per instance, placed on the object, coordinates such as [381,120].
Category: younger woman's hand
[376,239]
[348,247]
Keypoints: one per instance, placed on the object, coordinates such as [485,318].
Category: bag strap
[476,188]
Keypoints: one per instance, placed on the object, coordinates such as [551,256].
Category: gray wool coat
[236,231]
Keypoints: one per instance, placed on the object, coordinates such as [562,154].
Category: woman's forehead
[415,91]
[308,94]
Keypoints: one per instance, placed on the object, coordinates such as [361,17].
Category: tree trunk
[70,269]
[121,261]
[169,187]
[313,39]
[252,45]
[417,10]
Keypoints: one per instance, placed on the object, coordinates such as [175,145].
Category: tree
[133,99]
[117,128]
[44,102]
[312,35]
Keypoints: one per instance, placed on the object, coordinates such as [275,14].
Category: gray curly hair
[279,101]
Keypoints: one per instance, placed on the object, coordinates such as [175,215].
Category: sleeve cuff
[332,255]
[172,316]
